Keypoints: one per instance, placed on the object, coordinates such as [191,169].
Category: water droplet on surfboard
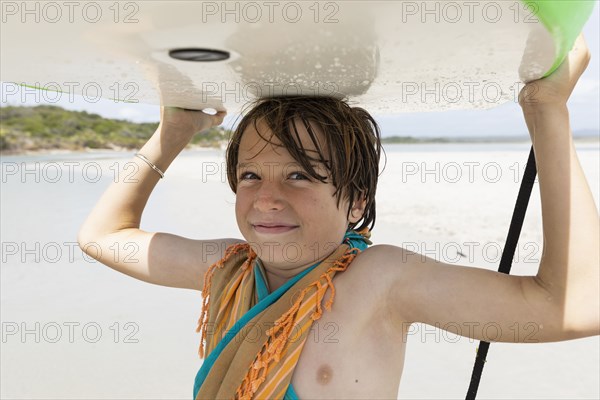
[366,48]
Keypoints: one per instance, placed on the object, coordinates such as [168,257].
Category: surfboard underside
[388,56]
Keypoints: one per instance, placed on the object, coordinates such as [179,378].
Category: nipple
[324,374]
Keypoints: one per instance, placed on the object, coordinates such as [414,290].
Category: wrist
[173,136]
[547,120]
[548,110]
[162,149]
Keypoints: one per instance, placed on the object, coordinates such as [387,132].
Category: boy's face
[290,219]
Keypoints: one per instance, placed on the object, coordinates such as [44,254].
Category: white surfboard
[389,56]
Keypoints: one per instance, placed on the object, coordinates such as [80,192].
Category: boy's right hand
[181,124]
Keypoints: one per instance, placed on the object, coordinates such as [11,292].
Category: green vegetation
[50,127]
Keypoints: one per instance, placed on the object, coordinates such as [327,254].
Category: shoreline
[88,150]
[223,145]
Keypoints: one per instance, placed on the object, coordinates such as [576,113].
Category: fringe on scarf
[203,320]
[279,334]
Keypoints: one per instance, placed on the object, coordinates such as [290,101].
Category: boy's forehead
[259,138]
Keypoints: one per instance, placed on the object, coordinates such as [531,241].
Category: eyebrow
[250,164]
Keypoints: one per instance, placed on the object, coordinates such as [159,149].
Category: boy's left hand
[556,88]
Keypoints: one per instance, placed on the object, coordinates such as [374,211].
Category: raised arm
[159,258]
[570,265]
[563,300]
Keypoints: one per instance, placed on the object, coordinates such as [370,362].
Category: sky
[503,120]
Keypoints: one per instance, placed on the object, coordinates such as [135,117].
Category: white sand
[414,211]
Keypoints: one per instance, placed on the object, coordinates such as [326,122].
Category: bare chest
[352,351]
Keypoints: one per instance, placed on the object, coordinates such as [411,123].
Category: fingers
[582,51]
[201,117]
[580,43]
[215,119]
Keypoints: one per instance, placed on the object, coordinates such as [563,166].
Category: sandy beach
[75,329]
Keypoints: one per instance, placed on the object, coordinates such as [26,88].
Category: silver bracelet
[154,167]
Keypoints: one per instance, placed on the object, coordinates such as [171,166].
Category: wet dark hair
[351,151]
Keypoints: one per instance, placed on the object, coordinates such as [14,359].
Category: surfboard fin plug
[199,54]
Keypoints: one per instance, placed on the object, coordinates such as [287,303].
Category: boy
[304,186]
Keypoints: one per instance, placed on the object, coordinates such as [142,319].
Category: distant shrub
[48,127]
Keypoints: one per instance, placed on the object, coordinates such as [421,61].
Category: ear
[357,210]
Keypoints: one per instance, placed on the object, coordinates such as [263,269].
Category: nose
[268,197]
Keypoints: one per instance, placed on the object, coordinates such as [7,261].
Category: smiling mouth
[273,228]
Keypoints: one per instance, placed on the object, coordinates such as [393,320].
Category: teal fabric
[265,299]
[260,282]
[263,292]
[254,311]
[290,394]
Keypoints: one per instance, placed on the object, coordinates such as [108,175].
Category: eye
[246,176]
[297,176]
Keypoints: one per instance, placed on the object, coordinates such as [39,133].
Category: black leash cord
[508,253]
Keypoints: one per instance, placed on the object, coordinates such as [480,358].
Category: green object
[45,89]
[564,19]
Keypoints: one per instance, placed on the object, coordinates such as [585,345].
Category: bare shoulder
[377,261]
[378,271]
[382,259]
[386,252]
